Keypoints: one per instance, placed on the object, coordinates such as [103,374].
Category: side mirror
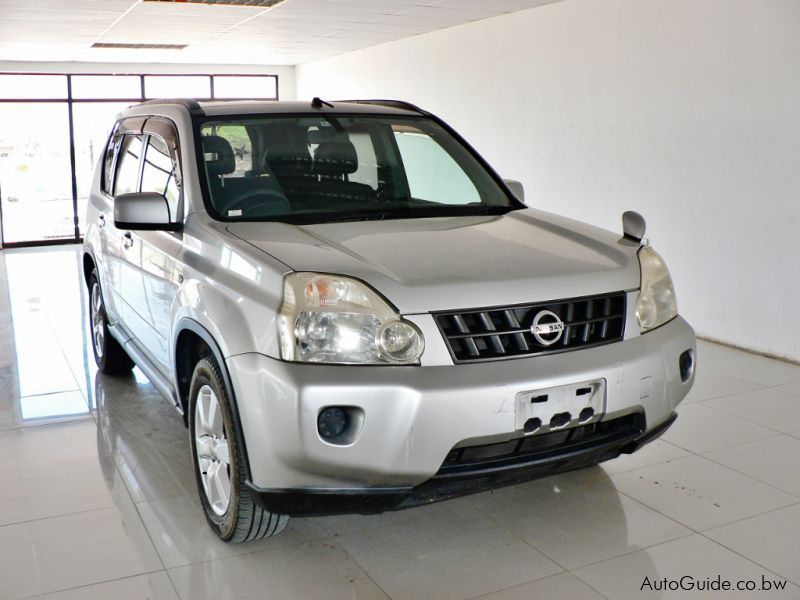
[516,188]
[633,225]
[143,211]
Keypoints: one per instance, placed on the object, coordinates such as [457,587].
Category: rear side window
[158,174]
[127,179]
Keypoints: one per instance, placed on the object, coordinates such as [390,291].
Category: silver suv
[354,313]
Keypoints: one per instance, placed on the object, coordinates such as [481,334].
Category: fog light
[686,365]
[331,422]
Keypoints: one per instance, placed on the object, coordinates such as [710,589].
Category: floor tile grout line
[701,534]
[110,504]
[772,435]
[519,585]
[194,563]
[87,585]
[60,421]
[611,485]
[50,393]
[740,555]
[144,526]
[773,486]
[539,550]
[504,527]
[721,524]
[758,383]
[766,512]
[734,415]
[174,587]
[655,464]
[762,388]
[723,365]
[729,395]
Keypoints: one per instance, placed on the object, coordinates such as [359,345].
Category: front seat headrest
[335,158]
[218,155]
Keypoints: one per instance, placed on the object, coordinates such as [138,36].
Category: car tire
[109,355]
[219,462]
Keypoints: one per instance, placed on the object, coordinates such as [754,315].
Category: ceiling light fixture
[139,46]
[253,3]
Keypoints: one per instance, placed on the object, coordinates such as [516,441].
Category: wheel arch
[191,341]
[89,264]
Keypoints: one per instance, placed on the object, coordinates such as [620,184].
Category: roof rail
[389,103]
[189,104]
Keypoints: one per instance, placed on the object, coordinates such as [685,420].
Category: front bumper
[443,485]
[414,417]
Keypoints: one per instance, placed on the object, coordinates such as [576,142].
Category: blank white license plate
[552,409]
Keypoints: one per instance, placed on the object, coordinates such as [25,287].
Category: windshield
[324,168]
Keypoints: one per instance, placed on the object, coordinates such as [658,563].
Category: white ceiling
[293,32]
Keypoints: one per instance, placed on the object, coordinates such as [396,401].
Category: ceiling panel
[292,32]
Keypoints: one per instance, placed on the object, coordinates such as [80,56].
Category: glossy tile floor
[97,497]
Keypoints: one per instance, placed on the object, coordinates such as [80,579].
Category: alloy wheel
[211,448]
[98,320]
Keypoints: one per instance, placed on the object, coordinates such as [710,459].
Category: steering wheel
[242,201]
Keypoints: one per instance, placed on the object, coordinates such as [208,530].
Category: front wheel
[218,456]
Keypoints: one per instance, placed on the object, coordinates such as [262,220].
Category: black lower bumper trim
[313,502]
[650,436]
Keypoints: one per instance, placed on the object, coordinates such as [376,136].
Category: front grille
[546,446]
[506,332]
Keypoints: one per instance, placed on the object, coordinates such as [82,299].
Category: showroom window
[54,131]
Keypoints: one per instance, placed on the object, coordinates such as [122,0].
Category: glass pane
[237,137]
[33,87]
[236,86]
[310,169]
[35,175]
[367,172]
[432,173]
[101,87]
[158,174]
[93,123]
[127,180]
[177,86]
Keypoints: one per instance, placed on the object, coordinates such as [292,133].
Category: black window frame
[70,101]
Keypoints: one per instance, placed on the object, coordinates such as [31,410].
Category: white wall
[286,82]
[685,110]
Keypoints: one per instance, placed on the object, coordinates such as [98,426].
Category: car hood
[433,264]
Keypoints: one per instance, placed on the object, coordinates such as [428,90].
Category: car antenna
[319,103]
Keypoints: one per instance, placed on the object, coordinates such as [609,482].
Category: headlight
[656,303]
[336,319]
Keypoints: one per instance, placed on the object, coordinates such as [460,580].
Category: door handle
[127,240]
[101,220]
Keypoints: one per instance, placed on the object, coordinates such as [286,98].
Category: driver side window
[159,174]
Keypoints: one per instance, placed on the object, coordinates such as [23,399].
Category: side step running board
[161,383]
